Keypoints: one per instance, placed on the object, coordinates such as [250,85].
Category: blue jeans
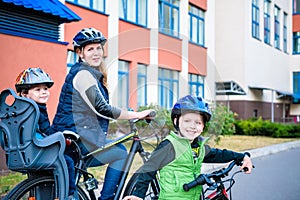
[71,170]
[115,157]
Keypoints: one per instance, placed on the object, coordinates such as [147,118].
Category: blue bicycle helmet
[30,77]
[88,36]
[190,104]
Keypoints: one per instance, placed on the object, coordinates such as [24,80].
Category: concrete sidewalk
[255,153]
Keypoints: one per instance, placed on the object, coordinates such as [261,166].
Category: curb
[274,149]
[255,153]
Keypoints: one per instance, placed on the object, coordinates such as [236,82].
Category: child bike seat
[24,152]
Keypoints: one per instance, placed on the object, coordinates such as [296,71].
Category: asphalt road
[275,177]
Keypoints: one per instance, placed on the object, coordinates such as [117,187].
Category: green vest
[183,169]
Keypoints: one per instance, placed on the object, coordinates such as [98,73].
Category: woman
[84,107]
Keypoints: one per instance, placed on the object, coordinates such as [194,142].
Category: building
[245,54]
[257,58]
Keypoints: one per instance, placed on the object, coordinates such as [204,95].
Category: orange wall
[88,20]
[134,43]
[200,3]
[19,53]
[134,47]
[296,23]
[169,52]
[197,59]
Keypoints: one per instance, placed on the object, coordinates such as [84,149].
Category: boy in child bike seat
[179,157]
[84,108]
[34,83]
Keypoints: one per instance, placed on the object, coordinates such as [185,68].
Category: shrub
[160,126]
[222,122]
[261,127]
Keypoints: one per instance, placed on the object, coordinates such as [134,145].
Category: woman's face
[39,93]
[191,125]
[92,54]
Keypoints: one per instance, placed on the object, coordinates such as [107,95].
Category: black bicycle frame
[136,147]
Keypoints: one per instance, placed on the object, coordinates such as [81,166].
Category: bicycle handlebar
[147,118]
[203,179]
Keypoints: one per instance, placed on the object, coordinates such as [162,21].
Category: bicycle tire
[44,184]
[152,192]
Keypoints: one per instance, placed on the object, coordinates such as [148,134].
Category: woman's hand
[132,198]
[125,114]
[248,164]
[146,113]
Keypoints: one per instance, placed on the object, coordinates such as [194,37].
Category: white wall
[249,61]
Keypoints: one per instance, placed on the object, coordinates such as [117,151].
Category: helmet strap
[176,123]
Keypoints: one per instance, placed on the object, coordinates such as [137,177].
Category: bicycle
[217,188]
[42,183]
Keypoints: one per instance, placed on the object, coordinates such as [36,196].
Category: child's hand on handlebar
[247,165]
[132,198]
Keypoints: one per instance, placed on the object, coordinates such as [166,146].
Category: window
[296,6]
[276,28]
[255,19]
[267,22]
[296,86]
[134,11]
[285,32]
[169,17]
[255,113]
[72,58]
[168,87]
[123,84]
[196,85]
[98,5]
[197,24]
[296,43]
[142,85]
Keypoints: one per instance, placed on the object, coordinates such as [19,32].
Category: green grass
[7,182]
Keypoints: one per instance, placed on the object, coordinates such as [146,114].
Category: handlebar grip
[200,180]
[152,114]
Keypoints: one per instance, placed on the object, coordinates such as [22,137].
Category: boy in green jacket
[179,157]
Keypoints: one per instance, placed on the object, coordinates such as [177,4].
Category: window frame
[124,10]
[123,103]
[200,26]
[296,7]
[90,6]
[142,77]
[284,43]
[255,19]
[167,101]
[194,80]
[296,86]
[276,27]
[296,43]
[267,22]
[172,7]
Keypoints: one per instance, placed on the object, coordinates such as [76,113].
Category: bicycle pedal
[91,184]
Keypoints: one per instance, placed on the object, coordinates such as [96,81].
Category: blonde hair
[103,70]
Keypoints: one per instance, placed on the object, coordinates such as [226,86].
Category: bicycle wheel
[152,192]
[41,188]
